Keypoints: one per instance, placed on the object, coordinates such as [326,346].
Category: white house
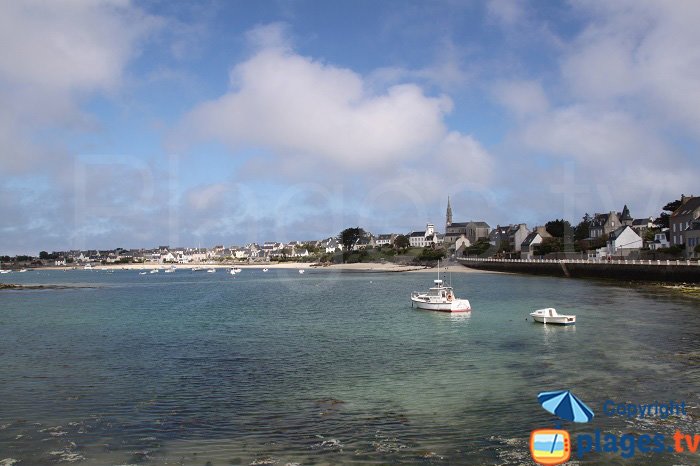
[332,245]
[660,241]
[421,239]
[386,240]
[461,244]
[623,241]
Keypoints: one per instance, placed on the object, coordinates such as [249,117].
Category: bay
[327,368]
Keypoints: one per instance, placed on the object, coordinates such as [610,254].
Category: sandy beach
[356,267]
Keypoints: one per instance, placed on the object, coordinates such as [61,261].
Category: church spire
[448,216]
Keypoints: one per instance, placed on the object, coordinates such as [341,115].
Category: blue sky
[133,124]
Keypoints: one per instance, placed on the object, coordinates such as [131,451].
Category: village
[675,234]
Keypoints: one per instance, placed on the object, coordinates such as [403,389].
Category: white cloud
[643,55]
[593,137]
[207,197]
[622,113]
[296,105]
[53,54]
[67,45]
[523,98]
[506,12]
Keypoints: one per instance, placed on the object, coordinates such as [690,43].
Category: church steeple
[448,216]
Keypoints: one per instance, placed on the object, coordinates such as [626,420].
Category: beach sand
[357,267]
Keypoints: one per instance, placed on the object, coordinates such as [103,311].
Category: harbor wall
[657,271]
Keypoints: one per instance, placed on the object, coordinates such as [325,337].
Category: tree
[480,247]
[349,237]
[504,246]
[663,219]
[583,229]
[430,254]
[559,228]
[697,249]
[402,242]
[547,246]
[43,255]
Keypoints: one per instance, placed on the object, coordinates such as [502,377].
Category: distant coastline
[354,267]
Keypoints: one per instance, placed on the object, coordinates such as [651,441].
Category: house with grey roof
[623,241]
[642,225]
[604,224]
[386,240]
[422,239]
[682,218]
[692,239]
[535,237]
[625,217]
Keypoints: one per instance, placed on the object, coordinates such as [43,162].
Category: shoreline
[360,267]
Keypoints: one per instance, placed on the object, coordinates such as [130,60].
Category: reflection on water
[324,368]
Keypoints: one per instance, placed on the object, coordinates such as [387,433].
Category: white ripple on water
[66,456]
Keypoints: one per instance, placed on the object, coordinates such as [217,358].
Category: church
[473,231]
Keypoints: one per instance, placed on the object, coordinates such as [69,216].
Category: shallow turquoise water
[326,368]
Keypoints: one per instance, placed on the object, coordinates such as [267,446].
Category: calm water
[325,368]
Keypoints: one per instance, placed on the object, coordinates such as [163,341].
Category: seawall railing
[679,271]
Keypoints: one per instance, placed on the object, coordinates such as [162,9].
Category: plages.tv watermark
[554,446]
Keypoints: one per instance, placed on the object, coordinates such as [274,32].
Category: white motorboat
[143,273]
[549,315]
[238,270]
[232,271]
[5,271]
[23,270]
[211,271]
[171,270]
[301,271]
[264,270]
[155,271]
[440,298]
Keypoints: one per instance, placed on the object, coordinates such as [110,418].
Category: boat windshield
[440,291]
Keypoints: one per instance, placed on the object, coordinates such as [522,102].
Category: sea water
[327,368]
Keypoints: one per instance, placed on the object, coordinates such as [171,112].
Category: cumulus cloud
[625,97]
[642,55]
[523,98]
[296,105]
[54,54]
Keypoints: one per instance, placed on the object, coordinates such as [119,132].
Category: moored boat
[550,315]
[439,298]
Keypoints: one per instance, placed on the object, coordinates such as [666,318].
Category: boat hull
[458,305]
[548,318]
[561,320]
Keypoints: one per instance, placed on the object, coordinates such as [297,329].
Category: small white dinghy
[549,315]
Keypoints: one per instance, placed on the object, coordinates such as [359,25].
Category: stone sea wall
[656,271]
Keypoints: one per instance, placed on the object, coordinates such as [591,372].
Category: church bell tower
[448,216]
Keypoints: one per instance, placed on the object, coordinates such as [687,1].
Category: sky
[137,124]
